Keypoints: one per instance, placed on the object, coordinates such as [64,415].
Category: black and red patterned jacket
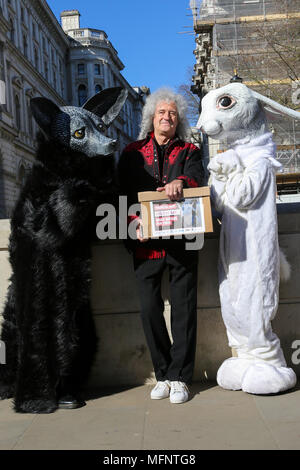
[138,170]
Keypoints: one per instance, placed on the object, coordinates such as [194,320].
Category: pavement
[127,419]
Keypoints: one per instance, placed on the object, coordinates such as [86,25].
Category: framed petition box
[163,218]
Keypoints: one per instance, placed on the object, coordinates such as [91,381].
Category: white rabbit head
[234,112]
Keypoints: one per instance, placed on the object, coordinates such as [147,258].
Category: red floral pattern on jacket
[138,170]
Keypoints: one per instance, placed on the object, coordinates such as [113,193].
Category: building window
[97,69]
[98,88]
[52,54]
[54,77]
[46,69]
[21,175]
[36,59]
[12,31]
[80,69]
[17,112]
[114,80]
[82,94]
[1,62]
[25,46]
[29,118]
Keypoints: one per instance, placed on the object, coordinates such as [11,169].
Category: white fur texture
[246,119]
[255,377]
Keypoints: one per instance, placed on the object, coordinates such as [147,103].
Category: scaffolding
[260,39]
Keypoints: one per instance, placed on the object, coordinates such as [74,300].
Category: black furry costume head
[67,163]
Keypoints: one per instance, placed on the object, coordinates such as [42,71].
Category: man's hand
[139,232]
[174,190]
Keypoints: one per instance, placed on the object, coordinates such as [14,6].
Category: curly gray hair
[169,96]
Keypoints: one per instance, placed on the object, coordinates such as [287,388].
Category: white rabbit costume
[243,186]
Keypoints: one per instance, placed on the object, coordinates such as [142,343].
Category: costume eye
[226,102]
[79,133]
[101,127]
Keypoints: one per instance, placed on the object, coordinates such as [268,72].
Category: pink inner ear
[271,114]
[272,107]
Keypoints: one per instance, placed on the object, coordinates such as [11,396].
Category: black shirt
[161,155]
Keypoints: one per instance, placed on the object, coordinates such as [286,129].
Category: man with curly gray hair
[163,160]
[162,94]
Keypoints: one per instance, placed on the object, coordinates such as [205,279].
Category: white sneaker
[179,392]
[161,390]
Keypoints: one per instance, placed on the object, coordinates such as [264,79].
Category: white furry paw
[230,374]
[262,379]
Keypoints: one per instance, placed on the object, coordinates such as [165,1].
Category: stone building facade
[39,57]
[260,40]
[33,50]
[254,37]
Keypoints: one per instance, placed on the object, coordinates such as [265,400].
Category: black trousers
[170,361]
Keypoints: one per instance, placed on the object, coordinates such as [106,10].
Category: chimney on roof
[70,20]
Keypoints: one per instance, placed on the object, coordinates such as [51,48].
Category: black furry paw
[6,391]
[35,406]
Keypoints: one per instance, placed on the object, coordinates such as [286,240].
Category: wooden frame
[145,198]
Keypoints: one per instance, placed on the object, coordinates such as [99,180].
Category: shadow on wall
[123,357]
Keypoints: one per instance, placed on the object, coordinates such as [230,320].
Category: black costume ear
[44,111]
[107,104]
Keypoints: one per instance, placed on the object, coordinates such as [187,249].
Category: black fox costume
[48,329]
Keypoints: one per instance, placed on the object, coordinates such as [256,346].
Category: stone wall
[123,357]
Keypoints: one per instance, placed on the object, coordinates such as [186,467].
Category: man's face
[165,119]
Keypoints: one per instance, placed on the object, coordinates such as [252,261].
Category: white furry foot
[262,379]
[230,374]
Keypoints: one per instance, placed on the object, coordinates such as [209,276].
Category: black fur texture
[48,327]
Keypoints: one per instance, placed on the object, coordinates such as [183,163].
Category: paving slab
[212,419]
[127,419]
[281,415]
[13,425]
[111,421]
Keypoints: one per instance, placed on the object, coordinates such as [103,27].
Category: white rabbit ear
[273,107]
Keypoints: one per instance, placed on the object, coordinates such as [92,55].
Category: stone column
[74,84]
[107,83]
[9,104]
[90,78]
